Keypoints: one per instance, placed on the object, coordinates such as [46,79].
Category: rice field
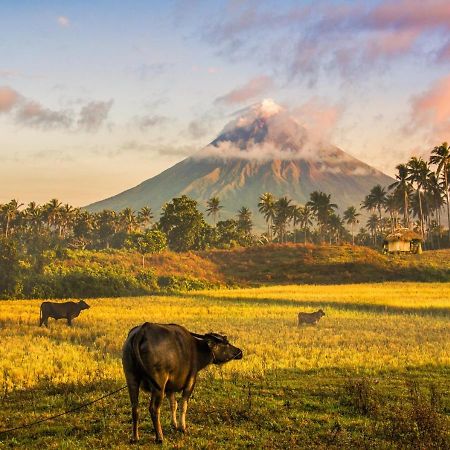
[379,358]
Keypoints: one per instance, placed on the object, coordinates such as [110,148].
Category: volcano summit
[263,150]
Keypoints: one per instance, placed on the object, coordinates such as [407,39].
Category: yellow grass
[374,327]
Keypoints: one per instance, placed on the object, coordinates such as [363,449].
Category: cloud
[431,110]
[253,88]
[33,114]
[8,99]
[150,149]
[150,121]
[28,112]
[348,38]
[198,129]
[443,55]
[319,117]
[93,115]
[63,21]
[267,131]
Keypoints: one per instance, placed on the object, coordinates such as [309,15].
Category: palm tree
[296,216]
[336,225]
[9,213]
[244,217]
[306,216]
[403,188]
[418,173]
[321,206]
[52,210]
[351,218]
[283,214]
[128,220]
[145,216]
[440,156]
[266,206]
[66,216]
[33,216]
[213,208]
[375,199]
[372,225]
[393,205]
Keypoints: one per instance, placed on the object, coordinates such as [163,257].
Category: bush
[420,422]
[174,283]
[94,281]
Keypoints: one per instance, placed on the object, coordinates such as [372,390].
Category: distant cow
[165,359]
[67,310]
[310,318]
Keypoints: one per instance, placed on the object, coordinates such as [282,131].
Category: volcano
[264,149]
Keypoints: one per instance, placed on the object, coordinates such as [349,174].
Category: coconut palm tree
[321,206]
[244,217]
[306,222]
[51,211]
[266,206]
[9,212]
[128,220]
[145,216]
[375,199]
[372,225]
[336,227]
[296,216]
[418,173]
[351,218]
[402,187]
[283,215]
[213,208]
[440,156]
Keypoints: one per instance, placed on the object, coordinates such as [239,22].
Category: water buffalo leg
[155,409]
[184,406]
[69,321]
[173,409]
[133,391]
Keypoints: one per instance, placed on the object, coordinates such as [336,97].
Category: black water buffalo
[165,359]
[67,310]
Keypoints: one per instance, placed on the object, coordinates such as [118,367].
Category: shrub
[175,283]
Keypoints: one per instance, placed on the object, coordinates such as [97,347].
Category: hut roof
[403,234]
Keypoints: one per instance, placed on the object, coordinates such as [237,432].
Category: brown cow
[165,359]
[310,318]
[67,310]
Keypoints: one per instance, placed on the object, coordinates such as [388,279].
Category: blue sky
[96,96]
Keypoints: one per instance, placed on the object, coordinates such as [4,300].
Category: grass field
[372,374]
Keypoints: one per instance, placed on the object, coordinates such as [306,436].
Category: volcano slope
[263,150]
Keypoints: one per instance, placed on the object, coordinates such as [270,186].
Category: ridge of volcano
[264,149]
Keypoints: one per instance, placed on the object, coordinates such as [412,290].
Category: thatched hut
[403,240]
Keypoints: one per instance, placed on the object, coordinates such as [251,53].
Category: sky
[97,96]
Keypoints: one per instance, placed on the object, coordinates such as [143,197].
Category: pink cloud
[391,43]
[318,116]
[443,54]
[431,110]
[411,14]
[8,99]
[33,114]
[350,38]
[253,88]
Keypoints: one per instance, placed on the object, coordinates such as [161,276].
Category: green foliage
[150,241]
[175,283]
[184,225]
[10,269]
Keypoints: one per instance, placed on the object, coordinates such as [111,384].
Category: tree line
[417,199]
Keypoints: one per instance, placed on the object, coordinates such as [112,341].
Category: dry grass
[390,332]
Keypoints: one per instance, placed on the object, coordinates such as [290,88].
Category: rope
[28,425]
